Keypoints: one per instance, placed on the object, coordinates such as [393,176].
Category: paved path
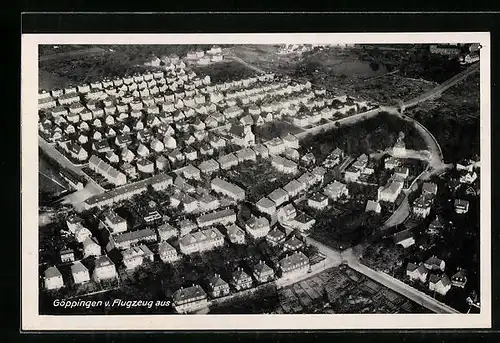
[403,289]
[388,281]
[90,188]
[443,86]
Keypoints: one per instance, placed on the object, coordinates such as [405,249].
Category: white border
[31,320]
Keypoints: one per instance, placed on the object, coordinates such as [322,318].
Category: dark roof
[402,235]
[189,293]
[434,261]
[237,130]
[134,235]
[411,267]
[52,272]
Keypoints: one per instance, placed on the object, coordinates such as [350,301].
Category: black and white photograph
[310,181]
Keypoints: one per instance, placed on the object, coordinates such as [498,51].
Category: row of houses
[194,298]
[432,270]
[104,269]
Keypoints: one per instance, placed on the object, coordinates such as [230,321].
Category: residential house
[404,238]
[336,190]
[286,213]
[186,226]
[261,150]
[422,206]
[352,174]
[111,174]
[291,141]
[222,217]
[439,284]
[391,190]
[77,151]
[246,154]
[218,287]
[82,234]
[257,227]
[402,172]
[228,161]
[73,222]
[434,263]
[293,188]
[302,222]
[459,279]
[275,146]
[429,188]
[308,159]
[191,172]
[262,272]
[319,173]
[373,206]
[162,163]
[236,234]
[416,272]
[278,196]
[266,205]
[53,278]
[436,226]
[167,253]
[123,140]
[167,231]
[275,237]
[217,142]
[241,280]
[294,265]
[465,165]
[104,269]
[67,255]
[284,165]
[200,241]
[468,177]
[114,222]
[129,169]
[461,206]
[293,244]
[127,239]
[208,167]
[190,299]
[91,247]
[134,256]
[242,135]
[127,155]
[318,201]
[228,189]
[207,202]
[80,273]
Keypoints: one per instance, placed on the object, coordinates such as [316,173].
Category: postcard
[256,181]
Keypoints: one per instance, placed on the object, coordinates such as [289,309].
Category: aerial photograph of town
[259,179]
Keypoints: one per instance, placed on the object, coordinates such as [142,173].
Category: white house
[53,278]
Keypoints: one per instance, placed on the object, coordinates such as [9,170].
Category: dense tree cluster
[374,134]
